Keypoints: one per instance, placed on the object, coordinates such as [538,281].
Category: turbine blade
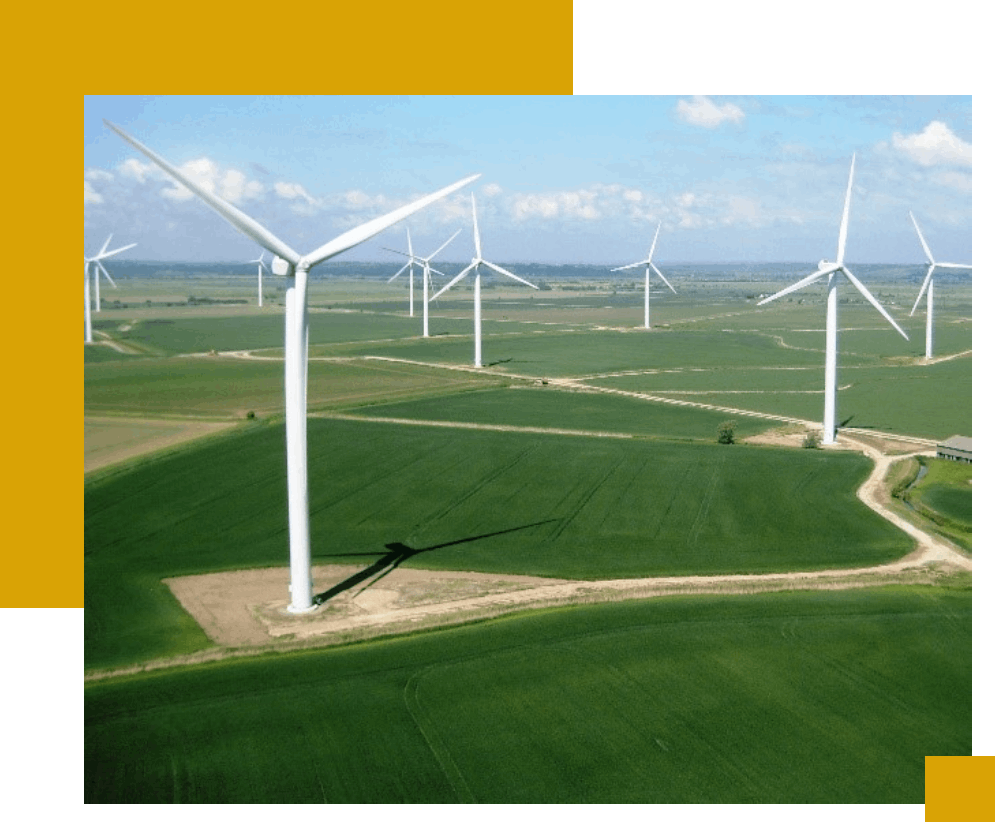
[811,278]
[653,246]
[447,242]
[846,214]
[107,242]
[436,271]
[399,273]
[108,276]
[953,265]
[105,254]
[870,298]
[925,282]
[657,270]
[631,265]
[922,240]
[242,222]
[455,280]
[507,273]
[363,232]
[411,251]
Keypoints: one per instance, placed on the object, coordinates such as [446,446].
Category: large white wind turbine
[478,260]
[289,263]
[927,286]
[648,262]
[98,267]
[426,274]
[833,270]
[262,265]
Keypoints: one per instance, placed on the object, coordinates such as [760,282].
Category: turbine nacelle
[280,267]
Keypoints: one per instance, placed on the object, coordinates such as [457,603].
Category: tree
[811,440]
[727,432]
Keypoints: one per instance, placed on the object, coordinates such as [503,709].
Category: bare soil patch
[107,440]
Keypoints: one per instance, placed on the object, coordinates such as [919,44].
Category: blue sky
[582,179]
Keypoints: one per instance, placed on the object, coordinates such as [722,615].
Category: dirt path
[244,612]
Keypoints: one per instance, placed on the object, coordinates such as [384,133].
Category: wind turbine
[295,266]
[409,266]
[103,254]
[833,270]
[478,260]
[426,274]
[927,286]
[262,265]
[648,262]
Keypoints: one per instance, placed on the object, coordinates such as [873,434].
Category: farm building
[955,448]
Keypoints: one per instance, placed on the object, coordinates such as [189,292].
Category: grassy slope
[837,697]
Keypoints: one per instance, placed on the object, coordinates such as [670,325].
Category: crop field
[544,505]
[516,469]
[215,387]
[913,400]
[581,411]
[785,698]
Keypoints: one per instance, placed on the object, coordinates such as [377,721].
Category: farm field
[228,387]
[614,702]
[109,441]
[543,505]
[531,406]
[912,400]
[837,697]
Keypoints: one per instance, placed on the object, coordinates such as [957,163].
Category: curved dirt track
[244,612]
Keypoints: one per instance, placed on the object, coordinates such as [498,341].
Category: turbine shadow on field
[398,552]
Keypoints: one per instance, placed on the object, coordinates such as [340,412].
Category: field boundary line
[473,426]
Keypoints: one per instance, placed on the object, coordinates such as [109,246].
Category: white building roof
[958,443]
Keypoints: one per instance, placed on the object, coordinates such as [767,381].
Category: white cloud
[491,190]
[97,174]
[561,203]
[360,199]
[957,180]
[202,171]
[935,145]
[136,169]
[633,195]
[701,111]
[89,195]
[235,187]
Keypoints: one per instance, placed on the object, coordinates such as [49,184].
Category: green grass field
[774,698]
[944,495]
[556,506]
[549,408]
[799,697]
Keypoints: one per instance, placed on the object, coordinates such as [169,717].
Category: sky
[571,179]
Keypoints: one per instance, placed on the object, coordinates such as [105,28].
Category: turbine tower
[648,262]
[262,265]
[927,286]
[97,259]
[295,266]
[478,260]
[833,271]
[426,274]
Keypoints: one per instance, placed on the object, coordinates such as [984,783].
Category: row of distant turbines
[289,263]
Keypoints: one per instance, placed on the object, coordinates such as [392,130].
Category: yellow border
[957,788]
